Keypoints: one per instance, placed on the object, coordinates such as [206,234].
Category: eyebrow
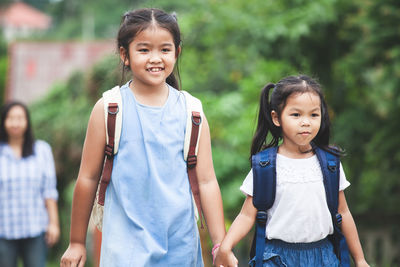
[149,44]
[298,109]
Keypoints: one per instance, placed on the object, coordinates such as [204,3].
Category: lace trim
[298,170]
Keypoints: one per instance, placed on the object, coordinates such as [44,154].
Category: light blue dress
[148,217]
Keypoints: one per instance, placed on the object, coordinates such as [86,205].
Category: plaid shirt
[25,183]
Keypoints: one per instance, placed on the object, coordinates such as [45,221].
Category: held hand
[52,234]
[225,258]
[362,263]
[75,256]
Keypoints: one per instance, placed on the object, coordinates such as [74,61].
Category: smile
[158,69]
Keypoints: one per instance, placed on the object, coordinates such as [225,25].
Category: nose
[155,58]
[305,122]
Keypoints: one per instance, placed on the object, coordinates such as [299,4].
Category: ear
[124,56]
[275,118]
[178,52]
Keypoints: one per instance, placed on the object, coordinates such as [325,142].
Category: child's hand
[225,258]
[74,256]
[362,263]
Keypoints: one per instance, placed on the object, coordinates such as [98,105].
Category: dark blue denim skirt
[278,253]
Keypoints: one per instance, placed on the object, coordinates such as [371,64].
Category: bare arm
[53,229]
[239,229]
[85,187]
[210,193]
[350,232]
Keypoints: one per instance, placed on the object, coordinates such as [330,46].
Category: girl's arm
[210,193]
[350,232]
[85,187]
[53,228]
[239,229]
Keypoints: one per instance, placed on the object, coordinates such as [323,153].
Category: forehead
[307,100]
[16,111]
[153,35]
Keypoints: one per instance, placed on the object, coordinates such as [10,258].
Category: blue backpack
[264,188]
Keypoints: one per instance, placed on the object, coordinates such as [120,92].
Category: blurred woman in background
[28,195]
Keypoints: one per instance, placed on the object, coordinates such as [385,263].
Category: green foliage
[3,66]
[61,119]
[230,50]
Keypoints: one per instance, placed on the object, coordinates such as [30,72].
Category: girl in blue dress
[148,216]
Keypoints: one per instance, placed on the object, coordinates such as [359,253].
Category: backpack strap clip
[264,163]
[332,166]
[113,108]
[196,118]
[338,220]
[191,161]
[261,217]
[109,151]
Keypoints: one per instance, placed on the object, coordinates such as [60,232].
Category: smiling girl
[148,215]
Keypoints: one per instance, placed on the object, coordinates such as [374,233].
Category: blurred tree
[3,67]
[369,76]
[230,50]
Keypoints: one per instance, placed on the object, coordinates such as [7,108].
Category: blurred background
[60,55]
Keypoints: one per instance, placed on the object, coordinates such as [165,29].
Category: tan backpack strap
[192,162]
[109,151]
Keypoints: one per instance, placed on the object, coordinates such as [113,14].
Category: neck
[150,95]
[16,141]
[16,144]
[295,151]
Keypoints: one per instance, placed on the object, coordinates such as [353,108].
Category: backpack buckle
[264,163]
[332,166]
[191,161]
[338,219]
[113,109]
[196,117]
[109,151]
[262,217]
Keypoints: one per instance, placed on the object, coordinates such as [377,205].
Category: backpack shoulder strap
[264,189]
[330,166]
[193,108]
[264,178]
[113,122]
[330,170]
[113,96]
[194,114]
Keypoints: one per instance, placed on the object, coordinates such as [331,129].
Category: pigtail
[173,81]
[264,124]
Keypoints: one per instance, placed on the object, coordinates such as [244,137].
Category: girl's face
[300,120]
[16,122]
[152,56]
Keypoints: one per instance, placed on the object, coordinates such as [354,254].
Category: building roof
[21,15]
[34,67]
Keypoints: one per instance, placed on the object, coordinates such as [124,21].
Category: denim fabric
[278,253]
[32,251]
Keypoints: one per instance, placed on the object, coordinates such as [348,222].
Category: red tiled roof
[20,14]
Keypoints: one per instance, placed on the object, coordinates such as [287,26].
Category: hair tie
[126,15]
[173,14]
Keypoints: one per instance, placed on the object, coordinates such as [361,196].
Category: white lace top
[300,212]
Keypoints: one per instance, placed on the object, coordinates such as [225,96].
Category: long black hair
[27,147]
[281,91]
[136,21]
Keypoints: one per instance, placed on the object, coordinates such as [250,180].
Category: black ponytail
[265,124]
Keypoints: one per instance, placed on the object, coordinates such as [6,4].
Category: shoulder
[41,147]
[189,97]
